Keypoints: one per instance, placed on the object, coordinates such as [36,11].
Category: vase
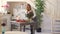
[38,29]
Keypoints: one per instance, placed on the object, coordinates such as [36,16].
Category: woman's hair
[28,7]
[30,14]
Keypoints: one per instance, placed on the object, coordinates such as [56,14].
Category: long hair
[29,11]
[28,7]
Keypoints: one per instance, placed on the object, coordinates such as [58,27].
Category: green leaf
[40,8]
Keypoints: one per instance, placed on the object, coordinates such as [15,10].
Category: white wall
[50,8]
[56,24]
[53,11]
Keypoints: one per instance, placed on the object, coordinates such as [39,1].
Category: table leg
[20,27]
[32,29]
[24,28]
[11,27]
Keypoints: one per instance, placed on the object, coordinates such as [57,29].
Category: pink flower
[6,6]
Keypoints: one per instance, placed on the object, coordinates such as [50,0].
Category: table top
[19,22]
[24,23]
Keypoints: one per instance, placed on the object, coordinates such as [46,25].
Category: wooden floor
[0,29]
[15,32]
[0,23]
[0,32]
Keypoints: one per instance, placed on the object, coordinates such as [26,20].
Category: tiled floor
[37,32]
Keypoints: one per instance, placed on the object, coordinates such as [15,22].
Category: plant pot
[38,29]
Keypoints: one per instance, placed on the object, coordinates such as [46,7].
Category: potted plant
[39,9]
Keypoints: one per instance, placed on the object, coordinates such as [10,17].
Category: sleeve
[34,13]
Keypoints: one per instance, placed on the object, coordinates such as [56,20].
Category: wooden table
[32,26]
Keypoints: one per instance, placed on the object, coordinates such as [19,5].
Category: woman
[30,13]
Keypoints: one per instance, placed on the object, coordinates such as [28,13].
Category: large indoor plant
[39,10]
